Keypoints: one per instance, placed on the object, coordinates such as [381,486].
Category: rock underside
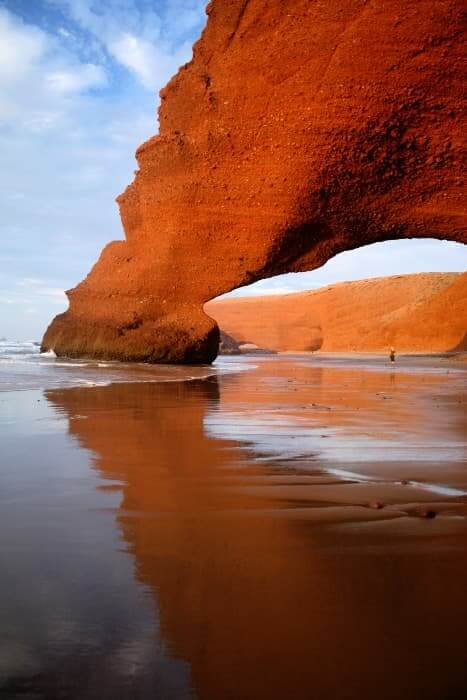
[300,129]
[412,313]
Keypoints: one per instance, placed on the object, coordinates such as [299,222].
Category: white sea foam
[23,366]
[8,348]
[48,353]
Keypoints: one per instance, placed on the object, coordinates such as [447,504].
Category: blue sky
[78,93]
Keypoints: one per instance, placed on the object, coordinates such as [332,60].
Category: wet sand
[296,530]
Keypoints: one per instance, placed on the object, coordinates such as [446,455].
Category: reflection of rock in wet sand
[264,606]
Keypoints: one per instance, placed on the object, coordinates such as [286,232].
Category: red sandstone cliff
[424,313]
[300,129]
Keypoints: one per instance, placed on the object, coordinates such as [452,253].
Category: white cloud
[29,282]
[21,48]
[32,287]
[78,79]
[55,292]
[153,65]
[39,120]
[122,131]
[135,54]
[150,45]
[38,74]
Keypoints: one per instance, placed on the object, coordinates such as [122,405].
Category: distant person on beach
[392,355]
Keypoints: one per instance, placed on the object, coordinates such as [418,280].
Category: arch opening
[409,294]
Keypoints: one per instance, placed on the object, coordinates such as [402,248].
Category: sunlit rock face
[426,312]
[300,129]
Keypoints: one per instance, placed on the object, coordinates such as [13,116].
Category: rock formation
[228,345]
[414,313]
[300,129]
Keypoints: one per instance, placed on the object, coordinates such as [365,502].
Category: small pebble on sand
[428,513]
[377,505]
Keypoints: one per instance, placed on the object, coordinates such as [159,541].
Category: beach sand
[296,529]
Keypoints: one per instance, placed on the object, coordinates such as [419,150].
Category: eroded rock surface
[414,313]
[228,345]
[300,129]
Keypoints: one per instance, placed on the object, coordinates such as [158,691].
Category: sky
[79,82]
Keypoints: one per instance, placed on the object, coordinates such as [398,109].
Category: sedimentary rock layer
[300,129]
[413,313]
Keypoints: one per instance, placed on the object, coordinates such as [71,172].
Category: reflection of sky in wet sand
[146,553]
[275,435]
[371,422]
[70,609]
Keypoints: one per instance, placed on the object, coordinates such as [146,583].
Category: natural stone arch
[299,130]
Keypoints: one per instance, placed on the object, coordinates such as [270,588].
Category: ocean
[23,366]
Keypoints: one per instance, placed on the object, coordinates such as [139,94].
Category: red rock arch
[300,129]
